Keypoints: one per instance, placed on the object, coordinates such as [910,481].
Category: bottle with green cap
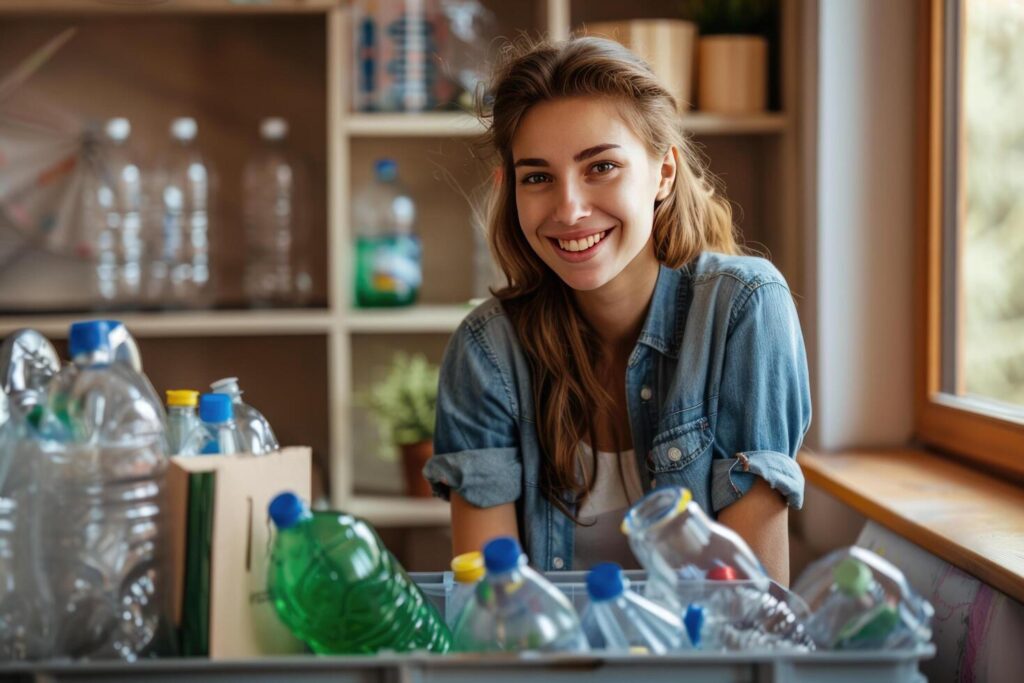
[182,420]
[336,586]
[467,570]
[861,601]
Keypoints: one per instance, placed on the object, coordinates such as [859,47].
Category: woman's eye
[602,167]
[533,179]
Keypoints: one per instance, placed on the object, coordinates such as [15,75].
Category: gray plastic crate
[595,667]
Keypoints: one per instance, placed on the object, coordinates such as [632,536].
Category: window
[971,377]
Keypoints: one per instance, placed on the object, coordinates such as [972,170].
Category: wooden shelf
[185,323]
[426,318]
[439,124]
[385,511]
[459,124]
[972,520]
[168,6]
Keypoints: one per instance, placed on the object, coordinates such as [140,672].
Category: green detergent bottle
[336,586]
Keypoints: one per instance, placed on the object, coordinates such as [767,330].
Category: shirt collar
[663,328]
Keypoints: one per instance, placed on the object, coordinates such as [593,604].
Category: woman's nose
[573,204]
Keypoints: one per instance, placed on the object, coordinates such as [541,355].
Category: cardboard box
[220,549]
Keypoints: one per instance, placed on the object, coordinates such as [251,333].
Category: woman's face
[585,189]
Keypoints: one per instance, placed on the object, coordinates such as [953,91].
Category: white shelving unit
[349,340]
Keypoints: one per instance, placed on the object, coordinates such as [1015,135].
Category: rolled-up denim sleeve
[764,406]
[476,445]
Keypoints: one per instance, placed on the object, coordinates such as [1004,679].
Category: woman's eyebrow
[585,154]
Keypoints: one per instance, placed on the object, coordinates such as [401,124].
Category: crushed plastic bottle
[516,609]
[467,571]
[692,561]
[336,586]
[617,618]
[257,437]
[861,601]
[182,420]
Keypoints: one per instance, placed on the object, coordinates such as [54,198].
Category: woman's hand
[472,527]
[761,517]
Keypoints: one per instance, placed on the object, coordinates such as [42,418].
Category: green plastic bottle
[337,587]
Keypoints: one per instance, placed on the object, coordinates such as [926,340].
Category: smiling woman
[633,347]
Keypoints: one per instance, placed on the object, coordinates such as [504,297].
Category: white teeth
[582,244]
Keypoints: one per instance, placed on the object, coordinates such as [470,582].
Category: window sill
[974,521]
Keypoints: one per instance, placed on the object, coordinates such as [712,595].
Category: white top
[617,486]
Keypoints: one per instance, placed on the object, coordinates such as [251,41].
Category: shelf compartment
[415,319]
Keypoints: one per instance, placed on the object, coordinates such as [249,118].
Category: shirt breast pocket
[676,447]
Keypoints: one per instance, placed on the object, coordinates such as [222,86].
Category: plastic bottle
[861,601]
[336,586]
[257,437]
[182,420]
[28,362]
[388,251]
[180,271]
[101,467]
[274,186]
[619,619]
[694,561]
[516,609]
[467,570]
[218,434]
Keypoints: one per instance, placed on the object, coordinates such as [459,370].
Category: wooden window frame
[970,429]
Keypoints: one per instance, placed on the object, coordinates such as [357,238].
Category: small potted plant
[732,55]
[404,404]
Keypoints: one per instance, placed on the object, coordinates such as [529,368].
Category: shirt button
[674,454]
[645,393]
[558,563]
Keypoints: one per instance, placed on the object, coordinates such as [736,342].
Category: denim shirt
[717,393]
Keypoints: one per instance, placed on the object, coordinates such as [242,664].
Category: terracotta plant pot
[732,74]
[414,459]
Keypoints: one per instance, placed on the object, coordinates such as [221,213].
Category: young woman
[633,347]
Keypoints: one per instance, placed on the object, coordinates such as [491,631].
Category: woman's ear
[668,173]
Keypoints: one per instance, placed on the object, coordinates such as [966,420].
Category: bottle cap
[215,408]
[722,572]
[273,128]
[693,620]
[228,385]
[88,336]
[184,129]
[852,577]
[287,509]
[386,170]
[605,581]
[182,398]
[118,129]
[468,567]
[502,554]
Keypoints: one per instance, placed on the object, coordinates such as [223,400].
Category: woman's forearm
[761,517]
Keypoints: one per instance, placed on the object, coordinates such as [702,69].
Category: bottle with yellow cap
[467,570]
[182,420]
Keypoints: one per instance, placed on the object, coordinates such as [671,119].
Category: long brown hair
[561,346]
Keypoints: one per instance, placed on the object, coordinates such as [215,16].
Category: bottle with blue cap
[257,437]
[218,434]
[100,466]
[388,268]
[339,589]
[516,609]
[618,618]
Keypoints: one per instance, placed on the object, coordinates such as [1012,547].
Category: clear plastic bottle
[182,420]
[121,197]
[692,560]
[467,570]
[389,271]
[861,601]
[28,362]
[619,619]
[218,434]
[180,270]
[274,187]
[336,586]
[516,609]
[102,467]
[257,437]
